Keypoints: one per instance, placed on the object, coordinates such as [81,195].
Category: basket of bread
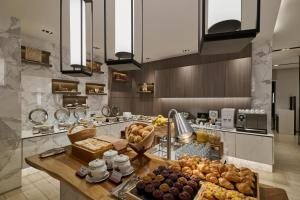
[140,135]
[81,132]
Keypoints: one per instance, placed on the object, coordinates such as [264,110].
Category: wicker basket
[88,132]
[146,143]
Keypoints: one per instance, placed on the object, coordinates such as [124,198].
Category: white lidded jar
[122,164]
[109,157]
[97,168]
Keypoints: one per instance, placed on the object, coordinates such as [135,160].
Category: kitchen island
[63,167]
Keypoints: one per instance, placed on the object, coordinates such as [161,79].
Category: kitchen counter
[63,167]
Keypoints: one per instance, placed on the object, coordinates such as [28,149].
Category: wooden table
[64,166]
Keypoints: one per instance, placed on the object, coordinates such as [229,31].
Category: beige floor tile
[34,194]
[34,177]
[47,189]
[2,197]
[25,181]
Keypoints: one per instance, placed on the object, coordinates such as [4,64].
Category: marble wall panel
[10,106]
[36,84]
[262,78]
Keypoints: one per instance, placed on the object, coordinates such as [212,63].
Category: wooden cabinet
[222,79]
[238,78]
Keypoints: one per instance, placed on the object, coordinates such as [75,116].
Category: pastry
[156,172]
[188,189]
[244,188]
[175,167]
[174,191]
[137,139]
[195,179]
[147,179]
[173,177]
[161,168]
[182,180]
[140,186]
[199,174]
[151,175]
[226,184]
[145,134]
[204,168]
[185,196]
[164,187]
[157,194]
[169,182]
[212,178]
[168,196]
[156,183]
[159,178]
[178,185]
[165,173]
[149,188]
[232,176]
[193,184]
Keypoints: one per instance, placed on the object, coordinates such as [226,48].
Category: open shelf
[94,89]
[72,102]
[146,88]
[120,76]
[66,87]
[35,56]
[95,65]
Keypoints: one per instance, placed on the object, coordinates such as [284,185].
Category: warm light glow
[76,33]
[123,26]
[221,10]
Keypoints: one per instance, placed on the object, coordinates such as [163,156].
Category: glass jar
[202,136]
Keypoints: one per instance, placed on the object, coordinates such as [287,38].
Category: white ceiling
[287,34]
[170,26]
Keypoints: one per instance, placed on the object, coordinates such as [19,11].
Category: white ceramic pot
[109,157]
[122,163]
[97,168]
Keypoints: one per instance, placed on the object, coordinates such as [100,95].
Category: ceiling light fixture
[123,34]
[80,22]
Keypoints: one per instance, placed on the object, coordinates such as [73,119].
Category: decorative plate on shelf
[62,115]
[38,116]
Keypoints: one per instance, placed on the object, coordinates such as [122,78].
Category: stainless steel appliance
[252,122]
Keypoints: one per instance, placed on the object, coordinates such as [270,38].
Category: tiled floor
[37,185]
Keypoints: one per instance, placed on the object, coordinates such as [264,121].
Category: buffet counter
[64,166]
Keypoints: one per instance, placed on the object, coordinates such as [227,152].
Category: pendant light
[123,26]
[76,34]
[233,23]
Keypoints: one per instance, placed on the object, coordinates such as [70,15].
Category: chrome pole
[169,134]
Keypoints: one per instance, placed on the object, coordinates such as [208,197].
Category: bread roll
[226,184]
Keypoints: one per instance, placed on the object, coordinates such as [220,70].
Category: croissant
[199,174]
[204,168]
[244,188]
[212,178]
[226,184]
[232,177]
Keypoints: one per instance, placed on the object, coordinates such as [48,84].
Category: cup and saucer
[97,171]
[122,164]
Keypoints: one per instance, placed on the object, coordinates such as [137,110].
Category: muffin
[165,173]
[151,175]
[149,189]
[164,187]
[173,177]
[140,186]
[178,186]
[188,189]
[168,196]
[161,168]
[174,191]
[157,194]
[195,179]
[159,178]
[193,184]
[182,180]
[156,172]
[169,182]
[185,196]
[147,179]
[156,183]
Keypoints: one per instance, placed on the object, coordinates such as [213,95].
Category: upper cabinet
[238,78]
[223,79]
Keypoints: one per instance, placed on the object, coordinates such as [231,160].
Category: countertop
[64,166]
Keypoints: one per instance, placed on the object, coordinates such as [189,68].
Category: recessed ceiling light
[285,49]
[275,65]
[47,31]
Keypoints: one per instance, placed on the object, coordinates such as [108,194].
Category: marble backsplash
[37,84]
[262,78]
[10,107]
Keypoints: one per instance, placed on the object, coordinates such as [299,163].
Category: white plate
[96,180]
[130,171]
